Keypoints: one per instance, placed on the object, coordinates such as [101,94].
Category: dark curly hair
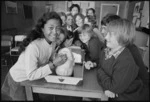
[92,20]
[37,32]
[74,5]
[92,10]
[108,18]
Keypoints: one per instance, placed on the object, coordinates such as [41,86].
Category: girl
[91,45]
[33,62]
[118,72]
[92,22]
[79,20]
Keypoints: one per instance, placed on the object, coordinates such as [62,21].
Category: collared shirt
[109,54]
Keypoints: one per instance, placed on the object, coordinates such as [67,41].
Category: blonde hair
[124,30]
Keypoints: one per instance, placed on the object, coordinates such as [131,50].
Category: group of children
[111,50]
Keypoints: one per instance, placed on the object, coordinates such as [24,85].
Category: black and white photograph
[75,50]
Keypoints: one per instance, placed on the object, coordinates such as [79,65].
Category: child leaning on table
[118,72]
[33,62]
[91,45]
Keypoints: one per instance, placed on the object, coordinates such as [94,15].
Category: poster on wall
[136,11]
[11,7]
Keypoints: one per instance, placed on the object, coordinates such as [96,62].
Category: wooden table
[89,88]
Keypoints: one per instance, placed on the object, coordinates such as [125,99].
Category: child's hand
[59,60]
[110,94]
[88,65]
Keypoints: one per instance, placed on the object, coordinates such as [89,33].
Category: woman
[91,45]
[118,72]
[35,52]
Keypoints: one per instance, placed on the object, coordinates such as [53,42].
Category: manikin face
[69,20]
[79,21]
[111,40]
[74,11]
[50,30]
[84,37]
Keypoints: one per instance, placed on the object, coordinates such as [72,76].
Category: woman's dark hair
[74,5]
[92,20]
[108,18]
[37,32]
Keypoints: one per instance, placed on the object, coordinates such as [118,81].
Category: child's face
[50,29]
[60,38]
[111,40]
[79,21]
[69,20]
[84,37]
[90,12]
[74,11]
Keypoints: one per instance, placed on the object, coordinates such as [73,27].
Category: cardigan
[120,76]
[32,64]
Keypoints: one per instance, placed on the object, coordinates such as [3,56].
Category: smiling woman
[34,59]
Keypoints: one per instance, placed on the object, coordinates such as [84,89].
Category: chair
[6,44]
[18,39]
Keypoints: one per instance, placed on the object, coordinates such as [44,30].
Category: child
[33,62]
[118,72]
[92,22]
[91,45]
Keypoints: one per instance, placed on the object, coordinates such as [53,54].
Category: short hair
[74,5]
[108,18]
[124,31]
[62,14]
[87,28]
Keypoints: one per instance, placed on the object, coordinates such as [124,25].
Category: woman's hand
[59,60]
[110,94]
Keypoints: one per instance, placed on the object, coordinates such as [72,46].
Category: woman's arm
[33,70]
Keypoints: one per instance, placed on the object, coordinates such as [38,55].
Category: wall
[122,8]
[38,10]
[15,20]
[58,6]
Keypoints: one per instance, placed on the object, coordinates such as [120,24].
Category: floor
[7,64]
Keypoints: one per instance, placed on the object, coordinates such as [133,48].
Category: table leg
[29,94]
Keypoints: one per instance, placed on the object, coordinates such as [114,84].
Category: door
[108,8]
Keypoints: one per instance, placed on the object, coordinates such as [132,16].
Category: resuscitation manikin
[66,69]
